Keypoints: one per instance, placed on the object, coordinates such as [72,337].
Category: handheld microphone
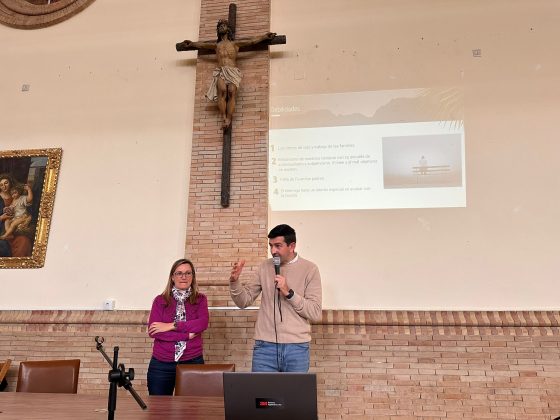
[276,262]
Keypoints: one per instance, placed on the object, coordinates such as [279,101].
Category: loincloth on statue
[229,74]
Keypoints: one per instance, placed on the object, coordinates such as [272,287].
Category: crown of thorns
[222,21]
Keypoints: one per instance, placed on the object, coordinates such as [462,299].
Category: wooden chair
[3,372]
[50,376]
[201,380]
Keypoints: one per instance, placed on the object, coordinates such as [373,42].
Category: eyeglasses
[181,274]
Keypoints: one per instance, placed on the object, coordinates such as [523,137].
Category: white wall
[501,251]
[108,87]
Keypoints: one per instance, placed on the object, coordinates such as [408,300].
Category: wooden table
[20,405]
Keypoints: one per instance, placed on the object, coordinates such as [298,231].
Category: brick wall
[216,236]
[47,14]
[382,365]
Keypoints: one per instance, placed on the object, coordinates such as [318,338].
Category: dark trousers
[161,375]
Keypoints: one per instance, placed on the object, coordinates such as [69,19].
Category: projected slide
[416,164]
[365,167]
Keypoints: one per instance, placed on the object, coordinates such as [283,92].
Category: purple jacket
[197,322]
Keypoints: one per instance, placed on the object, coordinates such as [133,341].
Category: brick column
[217,236]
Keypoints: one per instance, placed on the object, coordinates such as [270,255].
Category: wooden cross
[210,47]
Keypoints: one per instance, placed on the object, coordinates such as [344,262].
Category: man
[423,162]
[290,301]
[226,77]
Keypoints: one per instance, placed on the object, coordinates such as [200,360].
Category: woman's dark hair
[10,179]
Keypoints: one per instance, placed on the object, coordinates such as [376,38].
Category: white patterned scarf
[180,315]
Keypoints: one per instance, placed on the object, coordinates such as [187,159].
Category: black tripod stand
[118,376]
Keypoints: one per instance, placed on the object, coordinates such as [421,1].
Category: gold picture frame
[28,180]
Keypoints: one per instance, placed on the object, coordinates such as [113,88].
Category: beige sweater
[304,307]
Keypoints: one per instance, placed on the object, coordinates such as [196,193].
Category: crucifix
[226,78]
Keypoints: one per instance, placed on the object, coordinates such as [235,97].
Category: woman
[177,319]
[20,245]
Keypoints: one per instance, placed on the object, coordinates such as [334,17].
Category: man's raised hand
[236,270]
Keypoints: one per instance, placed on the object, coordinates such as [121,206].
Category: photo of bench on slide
[431,173]
[430,170]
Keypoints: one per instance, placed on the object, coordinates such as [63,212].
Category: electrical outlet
[109,304]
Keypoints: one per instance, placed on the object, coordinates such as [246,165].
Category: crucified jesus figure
[226,78]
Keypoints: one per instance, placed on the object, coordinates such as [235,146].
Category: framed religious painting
[28,180]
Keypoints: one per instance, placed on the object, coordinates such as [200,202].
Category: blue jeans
[161,375]
[272,357]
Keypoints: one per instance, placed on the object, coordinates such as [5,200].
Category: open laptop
[271,396]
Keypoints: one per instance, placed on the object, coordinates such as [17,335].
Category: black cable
[275,330]
[280,304]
